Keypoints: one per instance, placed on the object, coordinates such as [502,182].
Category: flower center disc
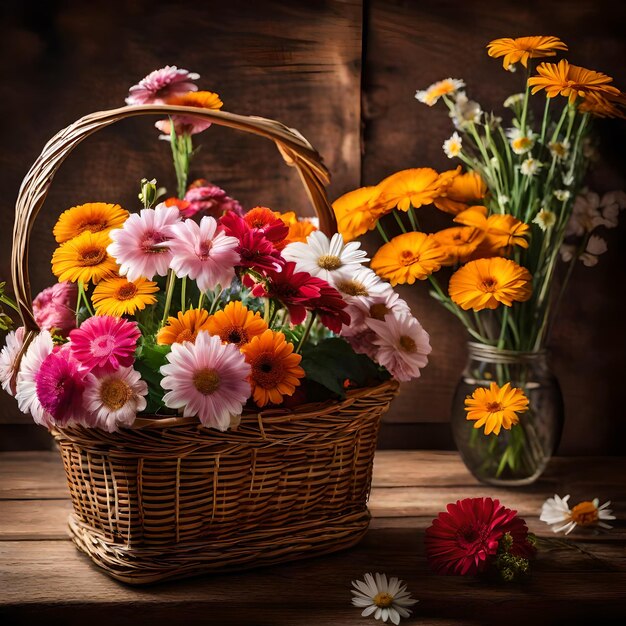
[91,256]
[408,258]
[378,311]
[352,288]
[489,284]
[383,600]
[103,346]
[267,372]
[329,262]
[204,250]
[115,393]
[186,335]
[407,344]
[94,227]
[206,381]
[492,407]
[126,292]
[234,334]
[585,514]
[150,241]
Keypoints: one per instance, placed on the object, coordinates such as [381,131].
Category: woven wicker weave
[168,498]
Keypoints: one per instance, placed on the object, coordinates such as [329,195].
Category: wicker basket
[168,498]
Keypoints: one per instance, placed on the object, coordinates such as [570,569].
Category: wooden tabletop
[44,579]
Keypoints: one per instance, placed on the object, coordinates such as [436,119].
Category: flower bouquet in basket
[194,347]
[515,212]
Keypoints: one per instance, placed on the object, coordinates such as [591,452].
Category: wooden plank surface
[43,577]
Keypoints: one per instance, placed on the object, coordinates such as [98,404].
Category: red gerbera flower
[255,250]
[330,307]
[265,220]
[464,539]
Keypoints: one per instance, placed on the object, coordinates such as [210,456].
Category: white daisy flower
[559,149]
[561,194]
[326,258]
[521,142]
[465,111]
[362,284]
[568,179]
[514,100]
[453,146]
[545,219]
[431,95]
[530,166]
[556,513]
[8,356]
[386,600]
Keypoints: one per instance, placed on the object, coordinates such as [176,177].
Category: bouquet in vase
[518,211]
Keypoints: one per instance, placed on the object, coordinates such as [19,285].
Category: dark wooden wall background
[344,73]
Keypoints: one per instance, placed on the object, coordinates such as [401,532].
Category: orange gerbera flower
[94,216]
[496,407]
[184,327]
[299,231]
[465,190]
[236,324]
[408,257]
[188,124]
[487,283]
[118,296]
[458,242]
[276,370]
[600,106]
[414,187]
[84,258]
[356,212]
[523,48]
[260,217]
[572,81]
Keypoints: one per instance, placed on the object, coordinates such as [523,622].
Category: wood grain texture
[410,45]
[44,579]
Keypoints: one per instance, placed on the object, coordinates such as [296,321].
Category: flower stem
[382,233]
[306,333]
[183,294]
[169,292]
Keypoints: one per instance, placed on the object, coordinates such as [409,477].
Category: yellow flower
[601,106]
[236,324]
[94,216]
[572,81]
[200,99]
[445,87]
[299,231]
[487,283]
[408,257]
[84,258]
[276,370]
[184,327]
[465,190]
[523,48]
[459,243]
[355,215]
[496,407]
[413,187]
[118,296]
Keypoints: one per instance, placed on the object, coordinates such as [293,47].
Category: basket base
[266,546]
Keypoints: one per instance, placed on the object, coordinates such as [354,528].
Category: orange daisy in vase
[572,81]
[184,327]
[119,296]
[94,216]
[356,212]
[236,324]
[599,106]
[414,187]
[458,242]
[408,257]
[84,258]
[496,408]
[521,49]
[487,283]
[465,190]
[276,370]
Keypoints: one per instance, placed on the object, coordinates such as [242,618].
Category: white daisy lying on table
[556,512]
[386,600]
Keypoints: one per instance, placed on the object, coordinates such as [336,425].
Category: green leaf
[150,358]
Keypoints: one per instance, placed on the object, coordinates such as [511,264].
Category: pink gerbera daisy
[113,399]
[54,308]
[8,356]
[403,345]
[206,378]
[138,245]
[464,539]
[60,383]
[105,341]
[207,199]
[161,84]
[26,394]
[203,253]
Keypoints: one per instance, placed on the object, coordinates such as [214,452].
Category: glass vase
[517,456]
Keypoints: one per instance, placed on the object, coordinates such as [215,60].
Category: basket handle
[294,148]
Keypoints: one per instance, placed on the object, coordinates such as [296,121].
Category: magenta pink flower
[60,385]
[208,199]
[54,308]
[203,253]
[161,84]
[104,341]
[137,246]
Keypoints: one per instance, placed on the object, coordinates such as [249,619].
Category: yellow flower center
[329,262]
[126,292]
[407,344]
[378,311]
[91,256]
[408,258]
[94,226]
[493,407]
[383,600]
[489,284]
[585,514]
[206,381]
[521,143]
[115,393]
[352,288]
